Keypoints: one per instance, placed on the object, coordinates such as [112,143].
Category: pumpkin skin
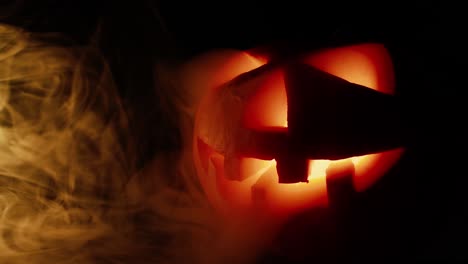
[365,64]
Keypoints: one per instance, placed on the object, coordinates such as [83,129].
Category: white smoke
[69,190]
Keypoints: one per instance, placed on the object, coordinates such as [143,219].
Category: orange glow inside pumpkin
[366,64]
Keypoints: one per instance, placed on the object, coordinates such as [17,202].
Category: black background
[416,212]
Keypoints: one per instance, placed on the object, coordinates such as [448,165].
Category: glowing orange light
[367,64]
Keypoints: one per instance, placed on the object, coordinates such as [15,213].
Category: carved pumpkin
[249,93]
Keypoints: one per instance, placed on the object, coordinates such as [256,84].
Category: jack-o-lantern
[265,136]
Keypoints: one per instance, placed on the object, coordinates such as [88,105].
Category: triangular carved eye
[365,64]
